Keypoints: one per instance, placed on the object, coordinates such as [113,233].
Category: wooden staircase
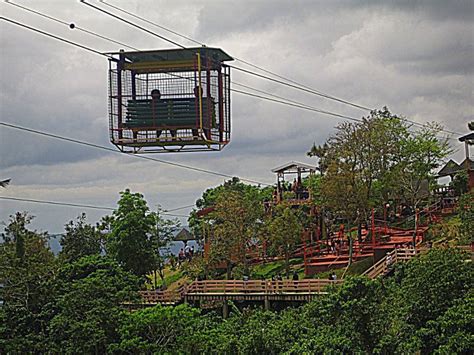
[385,265]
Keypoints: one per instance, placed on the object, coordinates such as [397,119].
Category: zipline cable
[70,204]
[132,24]
[301,106]
[97,146]
[178,208]
[152,23]
[70,25]
[300,86]
[288,102]
[297,85]
[55,37]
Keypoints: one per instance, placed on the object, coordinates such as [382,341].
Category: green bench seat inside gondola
[168,113]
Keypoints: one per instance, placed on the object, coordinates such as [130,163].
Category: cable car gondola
[174,100]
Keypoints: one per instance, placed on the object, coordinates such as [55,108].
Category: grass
[268,270]
[173,279]
[359,267]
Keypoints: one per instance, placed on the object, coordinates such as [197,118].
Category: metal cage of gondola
[174,100]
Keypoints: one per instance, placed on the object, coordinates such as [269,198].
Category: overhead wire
[301,106]
[89,144]
[71,25]
[132,24]
[55,37]
[286,102]
[297,85]
[71,204]
[151,23]
[178,208]
[289,101]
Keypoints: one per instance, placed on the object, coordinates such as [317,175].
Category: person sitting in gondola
[196,92]
[155,99]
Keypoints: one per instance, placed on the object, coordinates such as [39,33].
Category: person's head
[197,90]
[155,94]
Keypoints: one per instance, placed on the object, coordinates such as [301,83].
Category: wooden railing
[382,266]
[259,286]
[164,297]
[269,287]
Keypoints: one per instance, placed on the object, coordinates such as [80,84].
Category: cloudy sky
[416,57]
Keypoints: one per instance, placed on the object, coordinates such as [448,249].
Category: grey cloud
[417,59]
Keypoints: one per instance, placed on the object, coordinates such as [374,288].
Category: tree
[157,330]
[161,239]
[26,267]
[357,164]
[81,239]
[130,241]
[285,232]
[86,307]
[209,198]
[421,153]
[235,224]
[460,182]
[421,294]
[450,333]
[466,215]
[368,163]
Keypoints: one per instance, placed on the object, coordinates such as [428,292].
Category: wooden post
[416,228]
[350,248]
[373,228]
[267,303]
[225,310]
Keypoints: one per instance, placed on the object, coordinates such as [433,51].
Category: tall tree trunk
[287,263]
[229,269]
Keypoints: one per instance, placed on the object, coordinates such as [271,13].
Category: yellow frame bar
[200,90]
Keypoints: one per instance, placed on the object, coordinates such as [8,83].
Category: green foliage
[87,305]
[81,239]
[366,164]
[26,267]
[451,332]
[422,291]
[358,267]
[466,215]
[425,307]
[156,330]
[358,162]
[460,182]
[448,229]
[427,281]
[130,241]
[161,239]
[235,221]
[421,153]
[209,198]
[285,232]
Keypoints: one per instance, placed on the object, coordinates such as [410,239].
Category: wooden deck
[268,290]
[257,290]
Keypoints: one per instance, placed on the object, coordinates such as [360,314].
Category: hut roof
[451,168]
[468,137]
[184,236]
[293,166]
